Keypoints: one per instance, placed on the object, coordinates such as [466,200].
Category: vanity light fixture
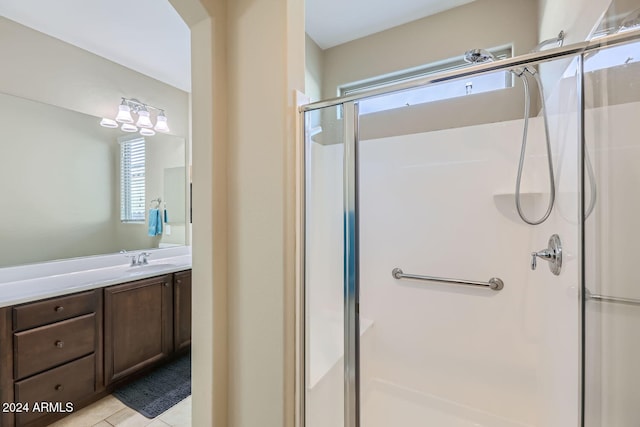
[126,111]
[143,120]
[108,123]
[128,127]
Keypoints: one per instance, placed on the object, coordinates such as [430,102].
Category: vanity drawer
[67,383]
[41,348]
[53,310]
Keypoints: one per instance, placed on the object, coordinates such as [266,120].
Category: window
[132,180]
[452,89]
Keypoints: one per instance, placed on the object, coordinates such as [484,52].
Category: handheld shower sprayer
[480,56]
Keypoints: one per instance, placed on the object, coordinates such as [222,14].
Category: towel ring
[157,201]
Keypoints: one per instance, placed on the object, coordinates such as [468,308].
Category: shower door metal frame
[351,276]
[581,234]
[351,267]
[575,49]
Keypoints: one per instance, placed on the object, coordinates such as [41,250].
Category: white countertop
[33,282]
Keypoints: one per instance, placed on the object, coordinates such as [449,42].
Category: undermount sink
[149,268]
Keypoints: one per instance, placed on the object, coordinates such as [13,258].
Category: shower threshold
[387,404]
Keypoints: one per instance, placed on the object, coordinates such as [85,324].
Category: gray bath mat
[160,389]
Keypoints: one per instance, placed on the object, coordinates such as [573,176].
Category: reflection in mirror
[174,193]
[61,186]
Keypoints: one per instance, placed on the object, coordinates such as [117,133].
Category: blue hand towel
[155,222]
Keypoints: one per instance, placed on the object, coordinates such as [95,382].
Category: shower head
[478,56]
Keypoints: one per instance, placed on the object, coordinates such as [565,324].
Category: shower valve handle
[544,254]
[553,255]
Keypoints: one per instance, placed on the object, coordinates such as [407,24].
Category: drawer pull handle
[59,344]
[178,281]
[166,284]
[59,387]
[59,309]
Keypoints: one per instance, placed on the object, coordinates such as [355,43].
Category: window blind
[132,180]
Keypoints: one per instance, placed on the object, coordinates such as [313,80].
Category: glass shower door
[324,266]
[426,190]
[442,343]
[612,305]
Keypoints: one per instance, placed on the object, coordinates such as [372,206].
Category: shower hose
[525,131]
[552,190]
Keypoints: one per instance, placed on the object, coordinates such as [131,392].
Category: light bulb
[124,114]
[108,123]
[147,132]
[128,127]
[143,119]
[161,123]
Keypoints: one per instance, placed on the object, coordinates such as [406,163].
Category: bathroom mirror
[60,186]
[174,184]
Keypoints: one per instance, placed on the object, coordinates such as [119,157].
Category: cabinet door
[138,325]
[182,308]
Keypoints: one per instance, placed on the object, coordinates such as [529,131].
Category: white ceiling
[333,22]
[147,36]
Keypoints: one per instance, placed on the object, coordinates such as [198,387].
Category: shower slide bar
[494,283]
[605,298]
[503,64]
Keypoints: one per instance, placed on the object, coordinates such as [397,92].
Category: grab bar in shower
[494,283]
[606,298]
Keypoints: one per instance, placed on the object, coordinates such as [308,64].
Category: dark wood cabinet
[50,351]
[67,383]
[77,348]
[182,310]
[138,327]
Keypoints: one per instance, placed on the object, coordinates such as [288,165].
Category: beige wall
[243,171]
[480,24]
[265,35]
[314,63]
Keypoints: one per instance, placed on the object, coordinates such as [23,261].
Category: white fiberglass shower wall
[439,201]
[612,233]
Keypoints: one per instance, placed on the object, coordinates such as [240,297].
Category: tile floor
[109,412]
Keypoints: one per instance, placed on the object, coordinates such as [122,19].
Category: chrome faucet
[137,259]
[142,258]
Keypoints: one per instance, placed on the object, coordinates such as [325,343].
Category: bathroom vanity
[61,353]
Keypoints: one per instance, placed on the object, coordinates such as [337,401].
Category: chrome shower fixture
[552,254]
[478,56]
[558,40]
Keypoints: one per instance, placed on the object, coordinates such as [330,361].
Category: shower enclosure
[421,302]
